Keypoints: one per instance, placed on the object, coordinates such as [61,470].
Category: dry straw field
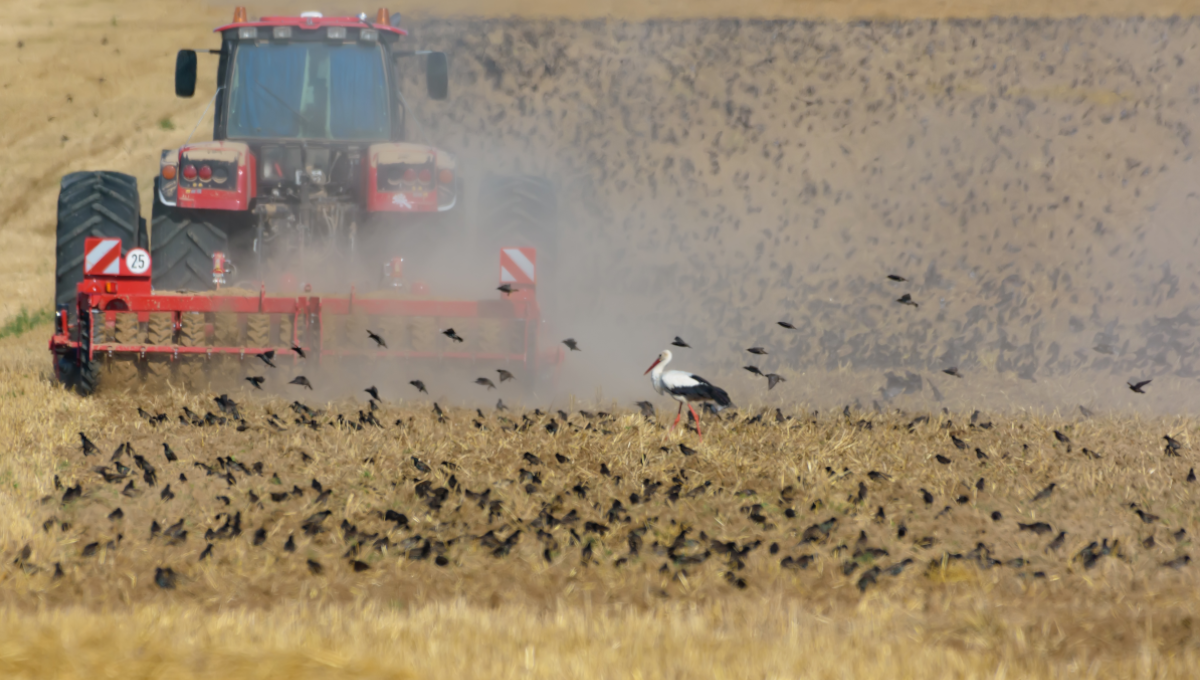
[913,538]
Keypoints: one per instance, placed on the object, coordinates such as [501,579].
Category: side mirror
[437,75]
[185,73]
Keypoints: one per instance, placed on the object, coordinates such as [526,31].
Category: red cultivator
[121,329]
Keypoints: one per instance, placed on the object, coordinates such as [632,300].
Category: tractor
[311,217]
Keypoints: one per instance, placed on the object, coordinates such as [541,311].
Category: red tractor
[311,183]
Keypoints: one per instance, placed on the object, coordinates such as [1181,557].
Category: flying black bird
[379,340]
[953,370]
[300,351]
[267,356]
[571,345]
[773,379]
[505,288]
[449,333]
[171,457]
[373,392]
[678,342]
[906,299]
[302,381]
[896,277]
[786,325]
[419,385]
[485,382]
[505,375]
[1045,493]
[1137,386]
[88,447]
[756,350]
[256,380]
[753,369]
[500,405]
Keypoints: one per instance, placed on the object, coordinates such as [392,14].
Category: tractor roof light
[239,15]
[247,33]
[368,35]
[311,15]
[283,32]
[383,16]
[336,32]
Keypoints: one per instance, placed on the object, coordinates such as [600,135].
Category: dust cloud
[1031,179]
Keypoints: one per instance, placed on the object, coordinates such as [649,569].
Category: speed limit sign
[137,261]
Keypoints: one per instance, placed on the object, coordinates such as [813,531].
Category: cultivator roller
[126,333]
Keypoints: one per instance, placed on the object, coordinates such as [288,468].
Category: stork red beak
[656,362]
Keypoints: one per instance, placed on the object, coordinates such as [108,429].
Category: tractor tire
[182,243]
[122,372]
[192,368]
[103,204]
[160,331]
[519,210]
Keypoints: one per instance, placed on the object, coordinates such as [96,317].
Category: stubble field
[446,551]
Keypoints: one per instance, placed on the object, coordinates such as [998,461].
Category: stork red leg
[697,421]
[678,415]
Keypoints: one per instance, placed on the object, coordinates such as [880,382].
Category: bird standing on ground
[686,388]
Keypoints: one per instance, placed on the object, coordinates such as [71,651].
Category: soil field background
[720,168]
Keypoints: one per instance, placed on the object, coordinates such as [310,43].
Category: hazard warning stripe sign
[517,265]
[102,256]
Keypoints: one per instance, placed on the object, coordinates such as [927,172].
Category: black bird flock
[573,503]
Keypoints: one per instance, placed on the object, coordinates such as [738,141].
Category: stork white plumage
[685,388]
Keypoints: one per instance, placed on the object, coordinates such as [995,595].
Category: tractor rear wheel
[101,204]
[519,210]
[182,243]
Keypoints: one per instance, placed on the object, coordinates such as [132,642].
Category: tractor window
[308,90]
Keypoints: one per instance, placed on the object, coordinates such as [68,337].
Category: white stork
[685,388]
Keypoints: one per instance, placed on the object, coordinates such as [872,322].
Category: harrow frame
[309,319]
